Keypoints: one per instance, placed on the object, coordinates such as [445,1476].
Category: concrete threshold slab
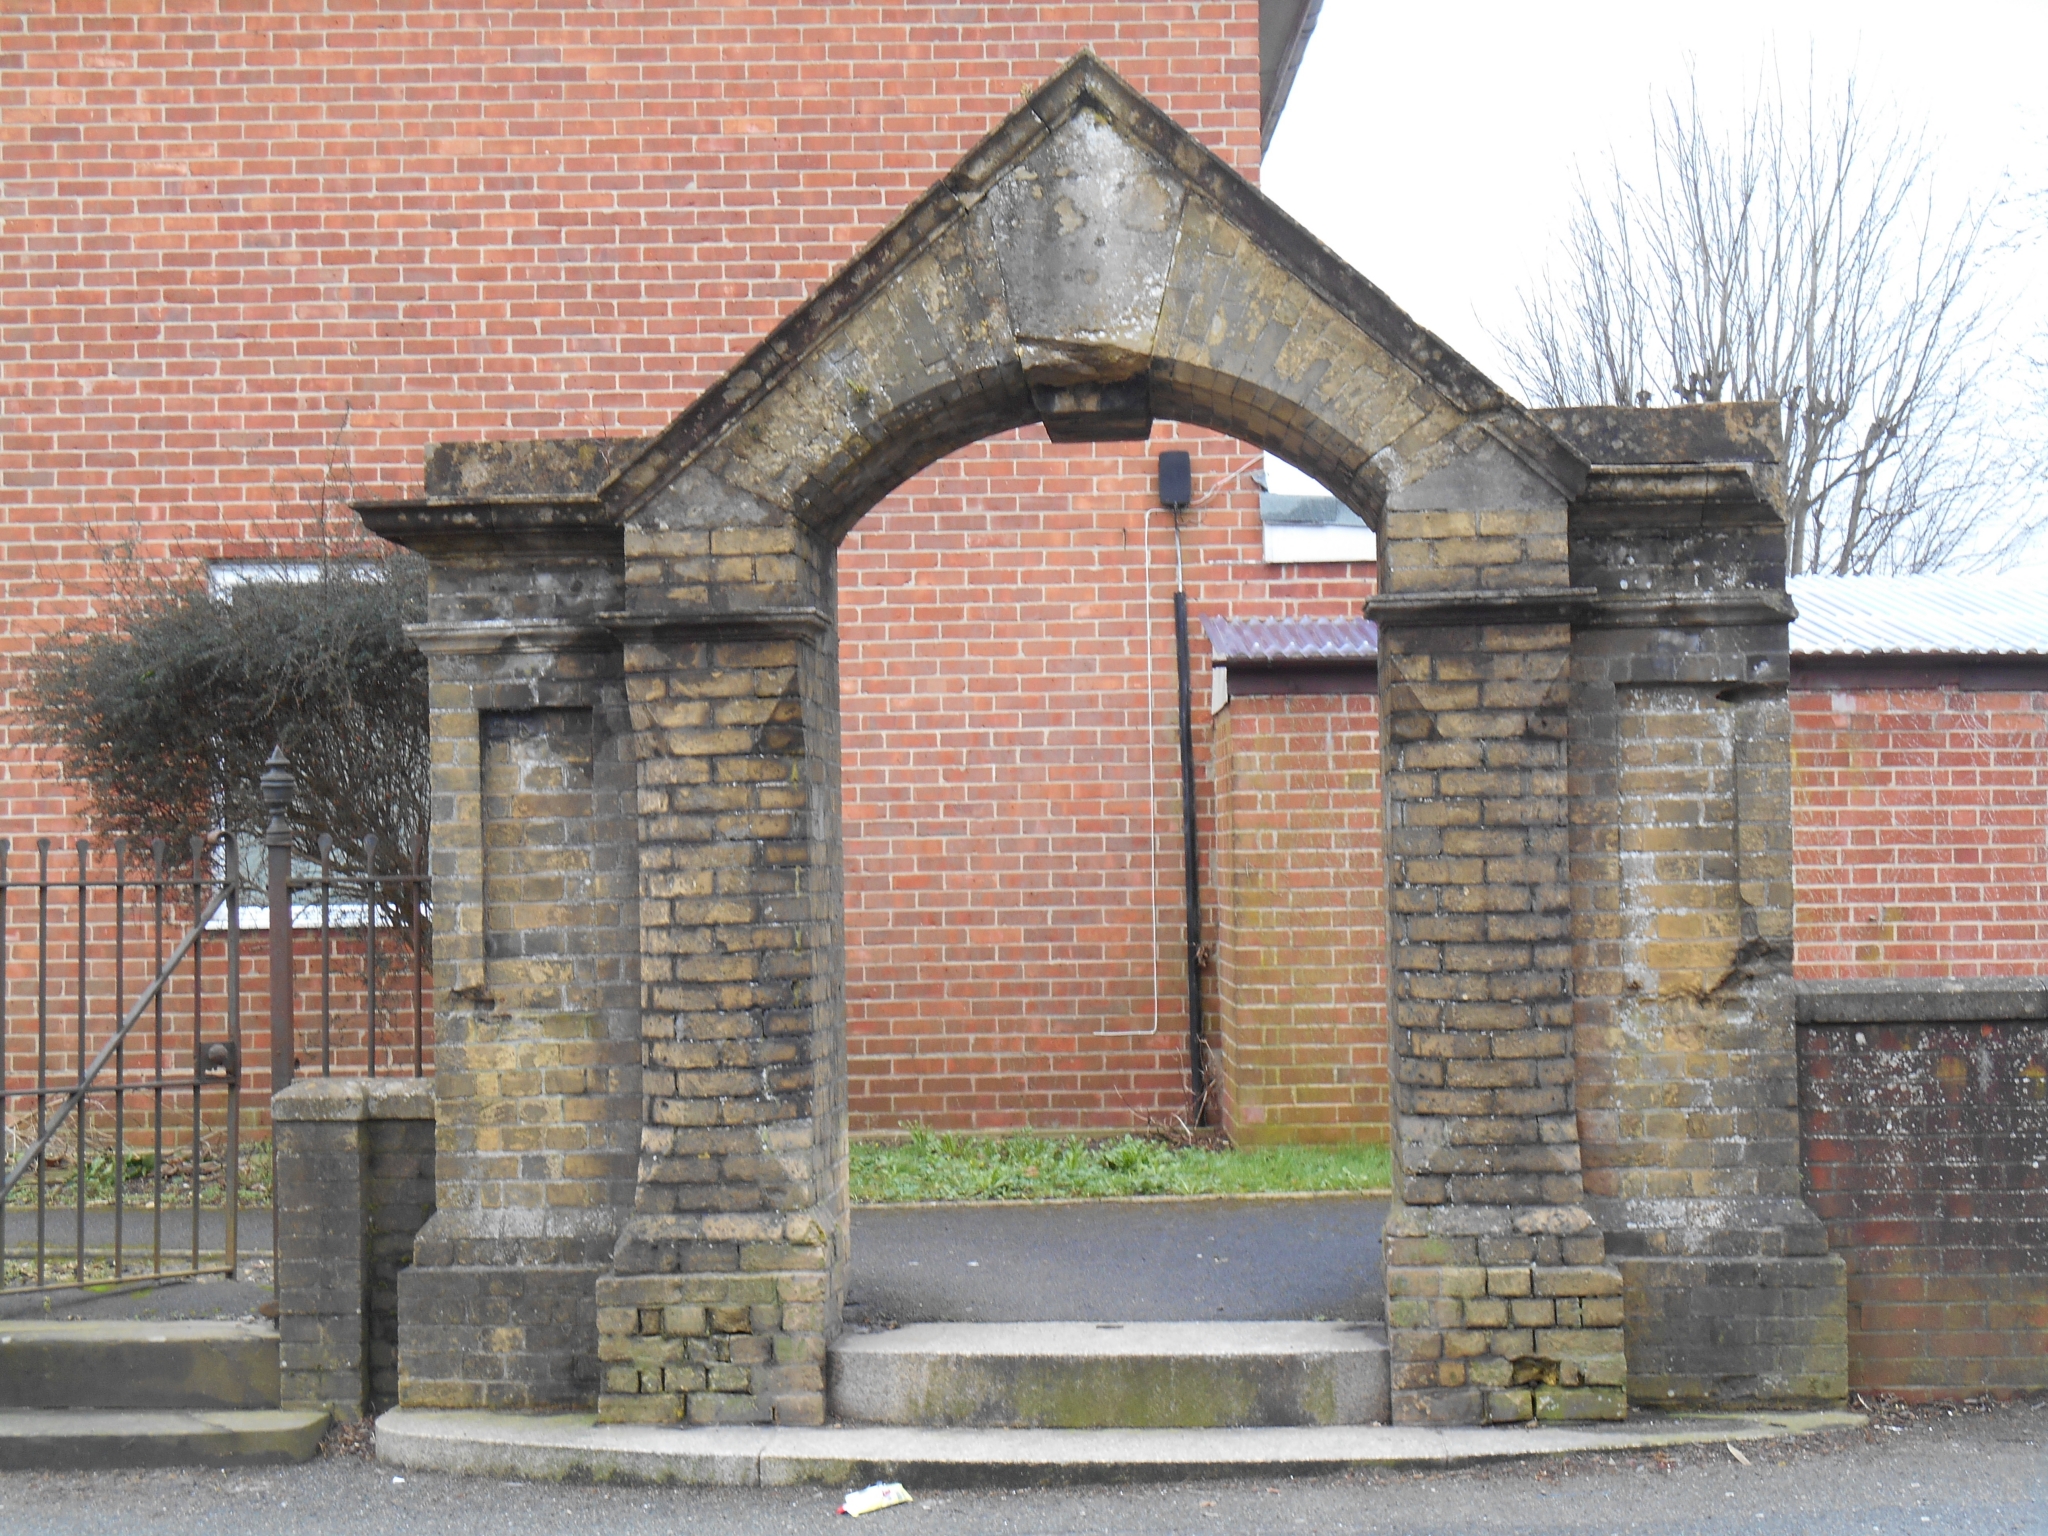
[575,1446]
[1108,1375]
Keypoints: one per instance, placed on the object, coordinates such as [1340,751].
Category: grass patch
[934,1165]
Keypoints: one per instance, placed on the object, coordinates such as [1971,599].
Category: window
[1304,524]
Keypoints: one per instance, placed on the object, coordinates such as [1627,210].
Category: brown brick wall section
[742,1172]
[1925,1154]
[1300,1049]
[555,935]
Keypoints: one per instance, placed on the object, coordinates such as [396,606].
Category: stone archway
[636,718]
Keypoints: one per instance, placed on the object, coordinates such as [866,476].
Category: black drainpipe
[1175,493]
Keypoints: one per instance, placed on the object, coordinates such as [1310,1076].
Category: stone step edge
[574,1445]
[138,1365]
[97,1439]
[132,1330]
[1097,1341]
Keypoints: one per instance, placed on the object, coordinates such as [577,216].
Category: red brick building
[256,258]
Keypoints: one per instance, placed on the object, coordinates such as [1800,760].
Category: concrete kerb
[575,1447]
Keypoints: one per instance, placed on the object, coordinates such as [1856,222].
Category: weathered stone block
[640,1408]
[727,1407]
[1575,1404]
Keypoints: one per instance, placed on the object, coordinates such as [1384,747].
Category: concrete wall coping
[1925,1000]
[356,1098]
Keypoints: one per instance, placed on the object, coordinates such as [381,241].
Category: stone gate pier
[641,1103]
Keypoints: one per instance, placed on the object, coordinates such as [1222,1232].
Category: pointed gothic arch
[642,1079]
[1092,267]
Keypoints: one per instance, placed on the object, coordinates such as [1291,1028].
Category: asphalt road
[1974,1474]
[138,1230]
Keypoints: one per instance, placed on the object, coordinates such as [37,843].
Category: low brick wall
[1924,1107]
[355,1183]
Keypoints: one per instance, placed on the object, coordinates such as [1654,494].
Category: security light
[1176,480]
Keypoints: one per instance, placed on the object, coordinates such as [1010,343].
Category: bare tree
[1804,261]
[165,707]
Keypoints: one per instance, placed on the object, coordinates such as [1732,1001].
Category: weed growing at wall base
[139,1187]
[934,1166]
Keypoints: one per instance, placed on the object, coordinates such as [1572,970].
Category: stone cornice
[576,527]
[1922,1000]
[1686,610]
[1734,493]
[1586,608]
[609,631]
[1528,605]
[743,624]
[496,637]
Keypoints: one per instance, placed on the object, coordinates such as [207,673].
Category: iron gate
[141,1037]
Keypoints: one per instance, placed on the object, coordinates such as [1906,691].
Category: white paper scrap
[873,1497]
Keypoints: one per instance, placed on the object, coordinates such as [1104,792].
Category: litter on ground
[875,1496]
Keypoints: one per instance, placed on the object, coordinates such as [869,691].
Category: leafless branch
[1802,257]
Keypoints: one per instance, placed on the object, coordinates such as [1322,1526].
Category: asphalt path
[213,1296]
[1118,1261]
[1054,1261]
[1974,1474]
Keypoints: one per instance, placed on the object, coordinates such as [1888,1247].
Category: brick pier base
[1499,1314]
[712,1349]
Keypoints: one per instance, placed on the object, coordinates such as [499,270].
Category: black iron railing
[133,1083]
[148,1010]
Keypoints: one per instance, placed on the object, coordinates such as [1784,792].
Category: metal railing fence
[149,1009]
[156,1053]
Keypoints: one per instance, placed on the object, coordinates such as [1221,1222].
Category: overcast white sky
[1435,146]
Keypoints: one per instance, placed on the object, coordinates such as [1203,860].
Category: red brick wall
[1015,914]
[1301,931]
[1925,1146]
[249,247]
[255,257]
[1920,818]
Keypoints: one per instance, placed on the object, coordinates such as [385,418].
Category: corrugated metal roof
[1838,616]
[1919,616]
[1255,640]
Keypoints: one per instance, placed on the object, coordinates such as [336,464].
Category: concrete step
[95,1439]
[1114,1375]
[135,1365]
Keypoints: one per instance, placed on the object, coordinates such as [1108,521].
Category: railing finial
[279,784]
